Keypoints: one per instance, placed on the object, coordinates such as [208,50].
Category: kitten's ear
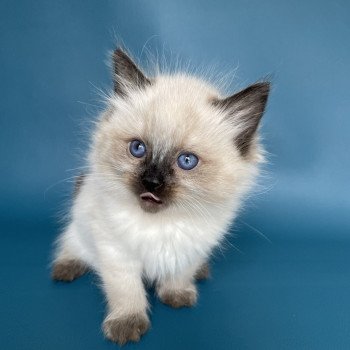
[126,74]
[245,109]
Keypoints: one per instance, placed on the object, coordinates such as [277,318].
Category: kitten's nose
[152,183]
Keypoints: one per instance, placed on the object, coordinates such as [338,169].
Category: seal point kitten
[170,162]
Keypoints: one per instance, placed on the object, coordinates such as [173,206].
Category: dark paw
[127,328]
[179,298]
[203,272]
[68,270]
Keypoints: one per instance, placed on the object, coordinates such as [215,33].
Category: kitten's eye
[137,148]
[187,161]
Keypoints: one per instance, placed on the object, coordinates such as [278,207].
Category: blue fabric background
[291,291]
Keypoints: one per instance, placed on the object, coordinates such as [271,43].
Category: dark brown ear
[126,74]
[246,109]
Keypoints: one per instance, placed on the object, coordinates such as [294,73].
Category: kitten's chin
[151,203]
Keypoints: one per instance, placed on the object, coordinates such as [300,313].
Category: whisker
[256,230]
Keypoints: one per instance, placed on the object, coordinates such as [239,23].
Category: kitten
[169,164]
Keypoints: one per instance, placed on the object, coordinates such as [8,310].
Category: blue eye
[137,148]
[187,161]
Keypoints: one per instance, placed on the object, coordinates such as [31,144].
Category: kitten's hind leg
[67,265]
[203,272]
[68,270]
[178,291]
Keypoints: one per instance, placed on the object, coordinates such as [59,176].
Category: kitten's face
[168,145]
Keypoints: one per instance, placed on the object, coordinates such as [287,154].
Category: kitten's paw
[179,298]
[68,270]
[127,328]
[203,272]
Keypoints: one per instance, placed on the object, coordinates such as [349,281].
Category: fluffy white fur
[111,233]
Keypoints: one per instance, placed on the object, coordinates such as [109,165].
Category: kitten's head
[172,142]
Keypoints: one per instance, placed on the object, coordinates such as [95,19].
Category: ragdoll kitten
[168,166]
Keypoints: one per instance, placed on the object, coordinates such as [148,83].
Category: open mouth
[151,198]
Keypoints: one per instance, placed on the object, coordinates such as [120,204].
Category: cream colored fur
[113,235]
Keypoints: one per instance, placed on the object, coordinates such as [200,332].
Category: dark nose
[152,183]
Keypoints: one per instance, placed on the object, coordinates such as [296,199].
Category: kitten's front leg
[127,316]
[178,291]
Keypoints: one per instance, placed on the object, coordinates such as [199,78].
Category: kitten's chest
[168,248]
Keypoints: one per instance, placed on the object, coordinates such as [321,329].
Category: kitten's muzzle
[152,183]
[153,188]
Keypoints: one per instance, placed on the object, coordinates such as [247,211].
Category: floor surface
[283,294]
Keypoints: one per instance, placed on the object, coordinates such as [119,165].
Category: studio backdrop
[282,278]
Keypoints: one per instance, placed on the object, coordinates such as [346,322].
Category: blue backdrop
[289,291]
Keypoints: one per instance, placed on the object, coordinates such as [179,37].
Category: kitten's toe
[68,270]
[203,272]
[128,328]
[179,298]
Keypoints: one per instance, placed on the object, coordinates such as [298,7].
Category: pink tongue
[149,195]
